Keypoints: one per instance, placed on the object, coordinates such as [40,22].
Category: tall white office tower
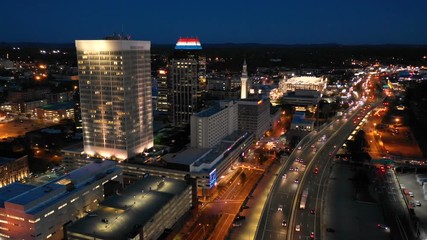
[244,79]
[115,96]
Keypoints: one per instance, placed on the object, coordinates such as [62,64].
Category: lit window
[62,206]
[49,213]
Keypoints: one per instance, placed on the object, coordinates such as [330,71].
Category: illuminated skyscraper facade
[187,81]
[115,96]
[163,91]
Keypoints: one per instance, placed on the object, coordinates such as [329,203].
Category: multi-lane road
[316,151]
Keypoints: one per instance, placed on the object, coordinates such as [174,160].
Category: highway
[314,153]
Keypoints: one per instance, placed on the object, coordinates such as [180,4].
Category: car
[411,194]
[92,215]
[417,203]
[298,228]
[299,148]
[330,230]
[291,169]
[284,176]
[284,223]
[280,208]
[296,169]
[316,170]
[330,154]
[335,146]
[245,207]
[312,211]
[237,224]
[382,226]
[240,217]
[296,180]
[312,235]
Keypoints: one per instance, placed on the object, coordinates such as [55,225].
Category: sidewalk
[248,229]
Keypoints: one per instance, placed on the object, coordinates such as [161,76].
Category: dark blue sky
[218,21]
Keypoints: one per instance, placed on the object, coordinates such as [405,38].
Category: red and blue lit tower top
[188,44]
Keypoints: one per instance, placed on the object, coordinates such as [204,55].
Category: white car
[411,194]
[298,228]
[417,203]
[280,208]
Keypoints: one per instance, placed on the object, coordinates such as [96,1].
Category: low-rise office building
[299,122]
[12,170]
[306,98]
[144,210]
[41,212]
[55,112]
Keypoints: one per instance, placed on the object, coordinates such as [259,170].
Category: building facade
[55,112]
[12,170]
[187,73]
[254,116]
[210,126]
[163,104]
[115,97]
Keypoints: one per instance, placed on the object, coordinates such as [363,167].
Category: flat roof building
[304,98]
[254,116]
[204,165]
[142,211]
[299,122]
[30,212]
[210,126]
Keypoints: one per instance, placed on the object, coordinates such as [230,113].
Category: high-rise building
[77,110]
[163,91]
[115,97]
[244,79]
[254,116]
[211,125]
[187,81]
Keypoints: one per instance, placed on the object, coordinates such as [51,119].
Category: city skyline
[278,22]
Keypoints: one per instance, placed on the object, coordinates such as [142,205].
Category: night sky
[218,21]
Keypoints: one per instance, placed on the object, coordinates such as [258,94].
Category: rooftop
[305,80]
[187,157]
[4,160]
[58,106]
[209,112]
[198,156]
[136,206]
[13,190]
[39,198]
